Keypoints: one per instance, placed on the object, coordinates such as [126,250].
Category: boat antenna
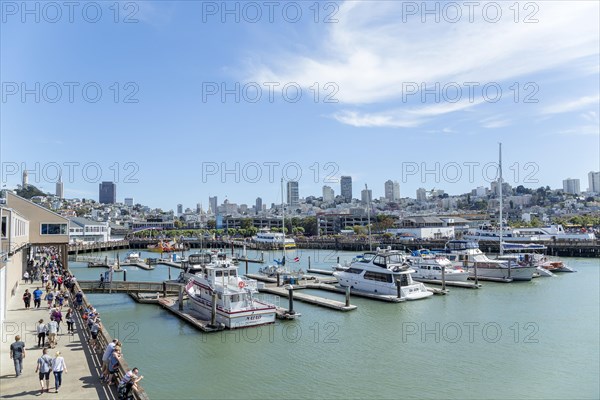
[500,193]
[369,216]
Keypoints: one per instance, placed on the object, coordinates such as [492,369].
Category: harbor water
[533,340]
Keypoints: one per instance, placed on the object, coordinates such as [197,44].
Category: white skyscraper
[594,182]
[571,186]
[392,190]
[365,196]
[421,194]
[328,194]
[128,201]
[25,179]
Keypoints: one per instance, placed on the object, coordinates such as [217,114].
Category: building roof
[84,221]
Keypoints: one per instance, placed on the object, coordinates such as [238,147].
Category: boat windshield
[395,259]
[367,257]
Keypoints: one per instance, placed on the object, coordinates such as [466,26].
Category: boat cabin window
[235,298]
[395,259]
[403,280]
[380,261]
[376,276]
[354,271]
[367,257]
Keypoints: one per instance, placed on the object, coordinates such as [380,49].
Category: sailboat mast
[500,184]
[283,224]
[369,216]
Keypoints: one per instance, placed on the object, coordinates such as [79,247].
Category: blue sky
[368,61]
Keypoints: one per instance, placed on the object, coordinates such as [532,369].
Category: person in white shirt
[58,367]
[52,331]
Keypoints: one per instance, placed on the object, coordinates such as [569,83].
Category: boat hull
[235,319]
[414,291]
[516,273]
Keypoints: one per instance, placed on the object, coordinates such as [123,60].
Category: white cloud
[402,118]
[572,105]
[494,122]
[370,52]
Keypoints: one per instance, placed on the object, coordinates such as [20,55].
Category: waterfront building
[86,230]
[571,186]
[107,193]
[25,225]
[346,188]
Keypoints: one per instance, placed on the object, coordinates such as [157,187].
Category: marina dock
[467,285]
[307,298]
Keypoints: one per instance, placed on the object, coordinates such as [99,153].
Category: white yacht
[544,234]
[236,305]
[275,239]
[466,253]
[428,265]
[378,271]
[554,232]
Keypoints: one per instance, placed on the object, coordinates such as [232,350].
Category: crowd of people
[57,289]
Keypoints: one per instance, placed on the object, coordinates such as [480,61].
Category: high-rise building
[293,197]
[571,186]
[392,190]
[25,181]
[365,196]
[594,182]
[108,193]
[128,201]
[346,188]
[59,188]
[421,194]
[328,194]
[258,206]
[212,204]
[198,208]
[179,209]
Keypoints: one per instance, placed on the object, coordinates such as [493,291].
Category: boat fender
[241,284]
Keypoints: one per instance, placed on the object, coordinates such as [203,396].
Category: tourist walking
[58,367]
[44,365]
[17,354]
[101,281]
[49,298]
[37,297]
[27,299]
[52,331]
[26,277]
[79,300]
[41,329]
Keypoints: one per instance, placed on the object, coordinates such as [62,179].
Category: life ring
[241,284]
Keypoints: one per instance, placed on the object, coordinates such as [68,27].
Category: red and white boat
[236,305]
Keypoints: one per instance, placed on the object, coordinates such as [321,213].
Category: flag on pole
[297,259]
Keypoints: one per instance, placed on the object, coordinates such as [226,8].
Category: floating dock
[468,285]
[188,315]
[139,264]
[490,279]
[246,259]
[320,271]
[307,298]
[358,293]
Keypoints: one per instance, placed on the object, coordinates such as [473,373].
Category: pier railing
[104,339]
[163,288]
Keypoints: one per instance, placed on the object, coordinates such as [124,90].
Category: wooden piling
[347,296]
[443,277]
[291,300]
[213,313]
[180,299]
